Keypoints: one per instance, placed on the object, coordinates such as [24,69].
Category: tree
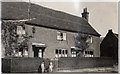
[9,37]
[82,42]
[11,40]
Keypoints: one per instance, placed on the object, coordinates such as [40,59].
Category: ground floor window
[73,53]
[61,53]
[20,53]
[88,53]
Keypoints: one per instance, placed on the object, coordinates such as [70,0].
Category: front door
[38,51]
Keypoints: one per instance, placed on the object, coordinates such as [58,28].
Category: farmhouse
[53,33]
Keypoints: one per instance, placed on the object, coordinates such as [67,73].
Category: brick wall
[49,38]
[6,63]
[27,65]
[21,64]
[75,63]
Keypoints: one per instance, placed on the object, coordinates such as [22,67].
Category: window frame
[88,53]
[61,36]
[21,30]
[60,53]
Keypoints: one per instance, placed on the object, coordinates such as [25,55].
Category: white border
[62,1]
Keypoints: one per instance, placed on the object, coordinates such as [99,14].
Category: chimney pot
[85,9]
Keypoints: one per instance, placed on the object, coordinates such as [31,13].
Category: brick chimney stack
[85,14]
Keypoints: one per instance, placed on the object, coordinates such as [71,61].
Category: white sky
[102,15]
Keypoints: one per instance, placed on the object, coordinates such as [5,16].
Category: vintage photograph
[54,37]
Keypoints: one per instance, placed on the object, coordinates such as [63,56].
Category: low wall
[77,63]
[28,65]
[6,65]
[20,64]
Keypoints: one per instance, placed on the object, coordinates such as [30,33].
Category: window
[73,53]
[20,53]
[88,53]
[66,52]
[56,51]
[20,30]
[61,36]
[61,53]
[25,53]
[89,39]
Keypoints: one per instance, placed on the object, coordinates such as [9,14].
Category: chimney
[85,14]
[110,30]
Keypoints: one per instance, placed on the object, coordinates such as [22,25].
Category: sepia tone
[40,39]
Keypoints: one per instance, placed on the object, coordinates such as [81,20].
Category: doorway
[38,51]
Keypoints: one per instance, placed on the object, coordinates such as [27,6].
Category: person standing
[51,67]
[43,67]
[47,63]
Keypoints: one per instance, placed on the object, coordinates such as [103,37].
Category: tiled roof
[116,35]
[46,17]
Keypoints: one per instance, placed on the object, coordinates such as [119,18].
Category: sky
[102,15]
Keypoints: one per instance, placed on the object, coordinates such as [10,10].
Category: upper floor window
[20,30]
[61,36]
[90,40]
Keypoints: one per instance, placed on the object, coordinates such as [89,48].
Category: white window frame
[20,30]
[88,53]
[61,54]
[73,53]
[90,39]
[63,37]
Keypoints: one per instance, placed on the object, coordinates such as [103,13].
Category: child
[51,67]
[43,67]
